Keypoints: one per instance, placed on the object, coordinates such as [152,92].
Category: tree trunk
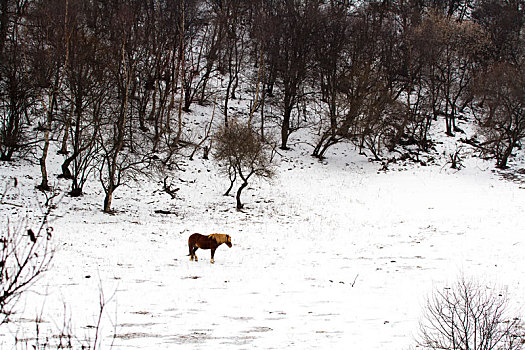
[76,191]
[181,71]
[233,177]
[502,161]
[107,199]
[285,128]
[227,100]
[238,197]
[227,193]
[263,100]
[319,145]
[63,149]
[44,185]
[113,172]
[66,173]
[4,18]
[324,144]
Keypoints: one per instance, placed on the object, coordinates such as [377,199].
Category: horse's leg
[212,254]
[195,255]
[192,253]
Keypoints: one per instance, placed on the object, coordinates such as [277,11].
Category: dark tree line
[110,81]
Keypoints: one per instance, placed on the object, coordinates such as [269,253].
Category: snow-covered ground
[332,254]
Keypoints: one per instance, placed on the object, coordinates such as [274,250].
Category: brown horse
[212,241]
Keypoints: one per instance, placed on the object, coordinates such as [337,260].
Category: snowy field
[329,255]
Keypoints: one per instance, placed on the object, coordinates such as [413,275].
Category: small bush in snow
[243,154]
[469,316]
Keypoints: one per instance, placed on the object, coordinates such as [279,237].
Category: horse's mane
[220,238]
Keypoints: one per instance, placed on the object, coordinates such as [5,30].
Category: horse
[196,241]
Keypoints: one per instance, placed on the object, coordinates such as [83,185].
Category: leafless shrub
[24,255]
[456,157]
[244,154]
[469,316]
[65,336]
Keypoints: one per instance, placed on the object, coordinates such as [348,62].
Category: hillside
[378,146]
[328,254]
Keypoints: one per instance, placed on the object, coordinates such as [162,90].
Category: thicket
[110,81]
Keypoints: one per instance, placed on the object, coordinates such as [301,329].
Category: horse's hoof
[212,261]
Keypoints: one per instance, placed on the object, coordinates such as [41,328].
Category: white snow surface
[331,254]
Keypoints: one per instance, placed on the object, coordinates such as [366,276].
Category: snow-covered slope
[330,254]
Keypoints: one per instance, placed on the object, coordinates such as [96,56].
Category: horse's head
[221,238]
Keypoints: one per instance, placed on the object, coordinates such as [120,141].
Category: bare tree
[503,22]
[450,51]
[85,93]
[469,315]
[114,162]
[192,58]
[289,48]
[25,254]
[330,58]
[359,84]
[243,154]
[17,93]
[47,60]
[502,102]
